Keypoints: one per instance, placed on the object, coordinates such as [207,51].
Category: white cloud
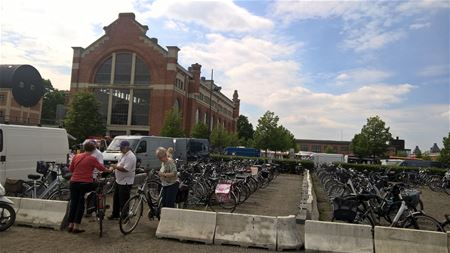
[361,76]
[177,26]
[41,33]
[435,70]
[417,26]
[255,66]
[223,16]
[368,25]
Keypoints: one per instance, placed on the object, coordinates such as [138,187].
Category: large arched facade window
[128,102]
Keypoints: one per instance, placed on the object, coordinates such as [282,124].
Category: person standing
[168,177]
[124,171]
[81,182]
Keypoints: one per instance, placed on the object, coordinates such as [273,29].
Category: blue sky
[322,66]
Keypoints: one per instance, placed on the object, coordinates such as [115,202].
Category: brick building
[137,81]
[320,146]
[21,92]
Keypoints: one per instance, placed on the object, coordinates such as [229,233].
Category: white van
[189,149]
[321,158]
[22,146]
[143,146]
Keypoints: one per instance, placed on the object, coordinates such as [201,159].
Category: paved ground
[279,198]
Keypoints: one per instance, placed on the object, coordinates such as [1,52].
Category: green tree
[219,138]
[244,129]
[83,119]
[444,156]
[330,150]
[172,124]
[266,132]
[373,139]
[52,98]
[200,130]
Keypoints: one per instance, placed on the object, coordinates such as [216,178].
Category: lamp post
[212,88]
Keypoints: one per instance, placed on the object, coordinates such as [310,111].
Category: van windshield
[115,144]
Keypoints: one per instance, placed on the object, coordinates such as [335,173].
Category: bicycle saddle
[34,177]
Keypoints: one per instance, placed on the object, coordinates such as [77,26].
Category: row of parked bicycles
[384,198]
[209,185]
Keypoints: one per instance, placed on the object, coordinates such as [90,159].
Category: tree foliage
[373,139]
[83,119]
[172,124]
[200,130]
[271,136]
[444,156]
[219,137]
[330,150]
[244,129]
[52,98]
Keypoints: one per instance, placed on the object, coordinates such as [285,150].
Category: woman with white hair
[168,177]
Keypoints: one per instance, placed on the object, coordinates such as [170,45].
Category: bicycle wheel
[363,218]
[131,214]
[60,194]
[228,205]
[101,213]
[7,216]
[422,222]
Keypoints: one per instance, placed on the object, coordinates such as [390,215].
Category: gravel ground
[279,198]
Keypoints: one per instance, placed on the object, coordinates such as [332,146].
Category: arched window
[122,70]
[122,73]
[141,75]
[103,74]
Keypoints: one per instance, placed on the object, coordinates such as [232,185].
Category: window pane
[139,115]
[122,72]
[103,74]
[141,74]
[102,96]
[120,101]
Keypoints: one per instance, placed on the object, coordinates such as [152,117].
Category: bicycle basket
[41,167]
[344,208]
[411,197]
[14,186]
[223,192]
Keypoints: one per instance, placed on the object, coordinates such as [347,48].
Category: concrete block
[288,233]
[246,230]
[187,225]
[41,212]
[390,240]
[16,201]
[321,236]
[448,241]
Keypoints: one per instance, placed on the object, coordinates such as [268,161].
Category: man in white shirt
[124,171]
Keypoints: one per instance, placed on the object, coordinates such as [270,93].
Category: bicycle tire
[101,215]
[62,194]
[217,206]
[6,221]
[422,222]
[134,207]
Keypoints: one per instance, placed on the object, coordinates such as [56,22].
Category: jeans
[77,192]
[121,196]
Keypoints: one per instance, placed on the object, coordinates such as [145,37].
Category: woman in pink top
[81,182]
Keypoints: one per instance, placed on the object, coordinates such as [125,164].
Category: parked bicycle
[7,212]
[134,207]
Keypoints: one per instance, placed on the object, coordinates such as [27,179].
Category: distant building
[21,92]
[417,151]
[435,149]
[137,81]
[397,148]
[321,146]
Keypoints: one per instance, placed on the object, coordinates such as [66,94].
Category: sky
[323,67]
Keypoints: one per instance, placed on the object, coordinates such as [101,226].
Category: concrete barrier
[187,225]
[288,233]
[399,240]
[448,241]
[246,230]
[40,212]
[308,202]
[323,236]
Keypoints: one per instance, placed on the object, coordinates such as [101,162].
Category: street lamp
[212,88]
